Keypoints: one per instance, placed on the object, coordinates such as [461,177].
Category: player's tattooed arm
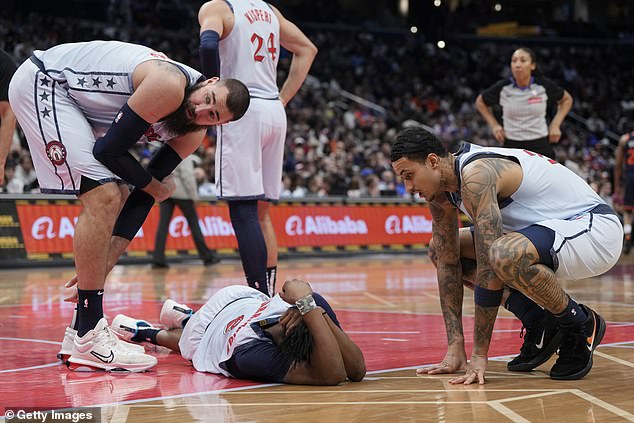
[480,196]
[449,270]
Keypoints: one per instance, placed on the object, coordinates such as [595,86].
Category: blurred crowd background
[377,71]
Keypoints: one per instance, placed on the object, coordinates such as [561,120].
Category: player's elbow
[311,49]
[334,377]
[101,153]
[357,373]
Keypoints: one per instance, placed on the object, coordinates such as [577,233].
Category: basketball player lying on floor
[242,333]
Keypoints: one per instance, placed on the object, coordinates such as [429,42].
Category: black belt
[603,209]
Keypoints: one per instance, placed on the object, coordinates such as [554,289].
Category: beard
[178,121]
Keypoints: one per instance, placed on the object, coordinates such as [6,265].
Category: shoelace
[111,338]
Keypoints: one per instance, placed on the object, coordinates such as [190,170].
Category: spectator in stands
[7,118]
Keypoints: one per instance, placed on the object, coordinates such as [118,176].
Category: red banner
[49,228]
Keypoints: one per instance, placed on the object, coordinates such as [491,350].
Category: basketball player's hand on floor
[475,372]
[454,361]
[74,297]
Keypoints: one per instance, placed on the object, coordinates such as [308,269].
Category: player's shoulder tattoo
[169,67]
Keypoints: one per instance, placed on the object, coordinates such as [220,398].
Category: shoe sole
[599,337]
[80,365]
[63,357]
[547,352]
[163,316]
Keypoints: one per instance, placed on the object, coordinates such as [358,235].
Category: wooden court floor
[387,303]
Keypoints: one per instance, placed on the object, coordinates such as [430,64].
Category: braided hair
[416,144]
[298,344]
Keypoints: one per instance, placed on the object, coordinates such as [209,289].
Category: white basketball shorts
[250,151]
[59,136]
[588,245]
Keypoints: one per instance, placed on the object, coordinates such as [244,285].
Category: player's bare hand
[498,133]
[290,319]
[554,134]
[452,363]
[475,372]
[295,289]
[71,284]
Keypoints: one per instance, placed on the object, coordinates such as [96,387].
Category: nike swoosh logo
[541,343]
[104,358]
[590,339]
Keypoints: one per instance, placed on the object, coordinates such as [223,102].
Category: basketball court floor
[388,304]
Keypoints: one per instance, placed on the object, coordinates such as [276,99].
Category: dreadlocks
[298,344]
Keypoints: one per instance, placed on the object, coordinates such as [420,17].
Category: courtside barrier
[38,229]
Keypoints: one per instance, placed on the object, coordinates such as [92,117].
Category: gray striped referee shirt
[523,109]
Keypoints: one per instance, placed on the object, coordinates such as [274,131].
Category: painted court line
[41,341]
[538,392]
[22,369]
[616,360]
[379,299]
[596,401]
[507,412]
[391,332]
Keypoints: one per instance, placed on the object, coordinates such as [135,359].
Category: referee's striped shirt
[523,109]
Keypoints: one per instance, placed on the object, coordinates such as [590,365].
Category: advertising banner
[48,227]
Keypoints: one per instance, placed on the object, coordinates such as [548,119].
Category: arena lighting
[441,44]
[403,7]
[497,7]
[414,30]
[437,3]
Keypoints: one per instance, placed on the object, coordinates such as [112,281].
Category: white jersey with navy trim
[548,189]
[224,323]
[251,50]
[98,78]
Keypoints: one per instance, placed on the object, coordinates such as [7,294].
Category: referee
[523,100]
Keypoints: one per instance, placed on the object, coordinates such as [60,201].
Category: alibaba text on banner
[50,228]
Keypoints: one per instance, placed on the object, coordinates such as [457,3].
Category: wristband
[306,304]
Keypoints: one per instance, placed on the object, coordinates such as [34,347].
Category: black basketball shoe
[577,346]
[541,340]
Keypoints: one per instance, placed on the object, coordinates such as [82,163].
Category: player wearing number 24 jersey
[243,38]
[535,223]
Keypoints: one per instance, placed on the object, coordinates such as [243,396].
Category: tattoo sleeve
[449,270]
[479,196]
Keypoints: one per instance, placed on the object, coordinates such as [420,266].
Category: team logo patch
[232,324]
[56,152]
[535,100]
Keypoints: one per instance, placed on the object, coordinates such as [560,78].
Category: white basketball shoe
[100,349]
[173,314]
[67,346]
[127,327]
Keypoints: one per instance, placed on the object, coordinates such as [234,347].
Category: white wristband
[306,304]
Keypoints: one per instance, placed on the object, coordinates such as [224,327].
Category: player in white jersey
[242,333]
[241,39]
[81,107]
[534,223]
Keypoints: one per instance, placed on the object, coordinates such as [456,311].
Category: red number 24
[270,46]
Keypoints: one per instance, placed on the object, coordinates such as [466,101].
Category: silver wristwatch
[306,304]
